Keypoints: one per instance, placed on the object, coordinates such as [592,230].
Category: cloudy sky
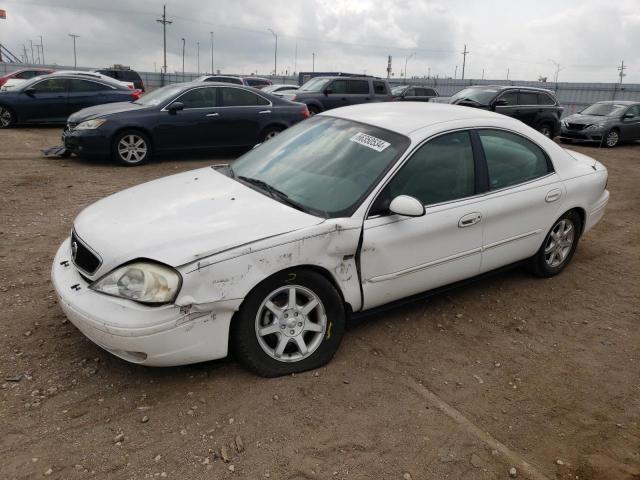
[588,38]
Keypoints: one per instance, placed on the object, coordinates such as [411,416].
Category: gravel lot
[512,372]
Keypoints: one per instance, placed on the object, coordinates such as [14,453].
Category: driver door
[403,256]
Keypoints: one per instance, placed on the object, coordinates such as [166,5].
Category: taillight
[130,86]
[3,80]
[305,112]
[135,95]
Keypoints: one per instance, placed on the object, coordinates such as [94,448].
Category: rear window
[545,99]
[528,98]
[380,88]
[360,87]
[252,82]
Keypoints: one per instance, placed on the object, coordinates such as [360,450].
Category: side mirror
[500,103]
[175,107]
[327,91]
[406,206]
[30,91]
[628,115]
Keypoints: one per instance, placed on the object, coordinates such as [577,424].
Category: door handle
[213,114]
[553,195]
[470,219]
[265,111]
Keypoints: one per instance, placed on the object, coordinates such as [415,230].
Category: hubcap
[559,243]
[5,117]
[290,323]
[271,134]
[612,139]
[132,148]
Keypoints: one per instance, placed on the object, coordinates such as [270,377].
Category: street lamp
[275,55]
[406,60]
[183,42]
[198,58]
[75,63]
[212,73]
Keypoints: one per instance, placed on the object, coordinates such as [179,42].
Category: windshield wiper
[274,192]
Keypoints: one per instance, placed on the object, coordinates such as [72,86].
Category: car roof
[619,102]
[407,117]
[505,87]
[83,76]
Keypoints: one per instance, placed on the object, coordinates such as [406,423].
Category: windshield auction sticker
[368,141]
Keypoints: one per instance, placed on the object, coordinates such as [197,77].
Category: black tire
[134,157]
[252,351]
[313,110]
[270,132]
[612,138]
[542,263]
[7,117]
[546,129]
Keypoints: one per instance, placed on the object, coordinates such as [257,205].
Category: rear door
[86,93]
[358,92]
[528,109]
[242,116]
[630,128]
[47,103]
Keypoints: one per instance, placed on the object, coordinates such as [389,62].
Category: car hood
[99,111]
[587,119]
[182,218]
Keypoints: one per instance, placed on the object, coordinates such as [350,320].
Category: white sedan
[342,213]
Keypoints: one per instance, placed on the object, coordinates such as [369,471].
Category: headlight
[91,124]
[564,123]
[141,281]
[596,126]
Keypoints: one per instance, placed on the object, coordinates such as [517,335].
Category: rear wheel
[291,322]
[546,129]
[7,118]
[313,110]
[612,138]
[558,247]
[270,132]
[131,148]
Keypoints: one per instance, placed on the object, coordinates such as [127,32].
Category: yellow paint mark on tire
[329,331]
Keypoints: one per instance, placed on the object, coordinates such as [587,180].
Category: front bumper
[86,142]
[586,135]
[165,335]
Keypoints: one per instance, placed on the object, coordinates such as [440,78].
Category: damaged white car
[345,212]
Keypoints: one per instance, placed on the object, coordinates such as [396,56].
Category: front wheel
[558,247]
[131,148]
[292,322]
[313,110]
[612,138]
[7,118]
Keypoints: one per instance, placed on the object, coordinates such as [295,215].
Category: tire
[269,133]
[612,138]
[270,344]
[313,110]
[546,129]
[558,247]
[7,117]
[139,152]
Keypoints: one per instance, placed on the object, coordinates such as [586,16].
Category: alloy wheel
[132,148]
[290,323]
[271,134]
[559,243]
[5,117]
[546,131]
[612,138]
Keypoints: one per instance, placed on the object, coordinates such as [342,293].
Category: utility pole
[33,60]
[42,48]
[26,56]
[313,62]
[164,23]
[507,73]
[183,42]
[406,60]
[198,58]
[295,60]
[483,74]
[465,52]
[275,55]
[621,69]
[75,62]
[428,72]
[455,73]
[555,80]
[212,72]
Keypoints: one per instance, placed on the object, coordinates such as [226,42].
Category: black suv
[124,74]
[413,93]
[537,107]
[325,93]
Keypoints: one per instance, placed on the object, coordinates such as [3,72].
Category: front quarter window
[326,165]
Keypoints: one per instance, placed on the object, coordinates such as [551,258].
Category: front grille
[575,126]
[83,257]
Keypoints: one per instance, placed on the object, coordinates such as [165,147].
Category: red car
[25,74]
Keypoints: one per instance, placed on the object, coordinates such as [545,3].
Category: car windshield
[159,96]
[323,165]
[399,90]
[481,95]
[605,109]
[315,85]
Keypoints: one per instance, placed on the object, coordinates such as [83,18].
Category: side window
[237,97]
[76,86]
[635,110]
[528,98]
[339,86]
[51,85]
[440,171]
[359,87]
[511,159]
[199,98]
[545,99]
[380,88]
[510,97]
[24,75]
[430,92]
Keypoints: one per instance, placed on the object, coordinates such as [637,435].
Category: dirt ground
[511,372]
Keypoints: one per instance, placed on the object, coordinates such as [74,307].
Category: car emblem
[74,249]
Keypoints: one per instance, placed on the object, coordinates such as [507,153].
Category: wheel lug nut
[283,327]
[299,324]
[286,315]
[292,332]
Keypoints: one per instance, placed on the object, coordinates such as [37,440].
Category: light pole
[183,42]
[275,55]
[212,72]
[33,60]
[75,62]
[42,48]
[198,58]
[555,79]
[406,60]
[164,23]
[313,62]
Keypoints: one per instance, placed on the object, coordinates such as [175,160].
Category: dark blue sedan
[52,98]
[180,117]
